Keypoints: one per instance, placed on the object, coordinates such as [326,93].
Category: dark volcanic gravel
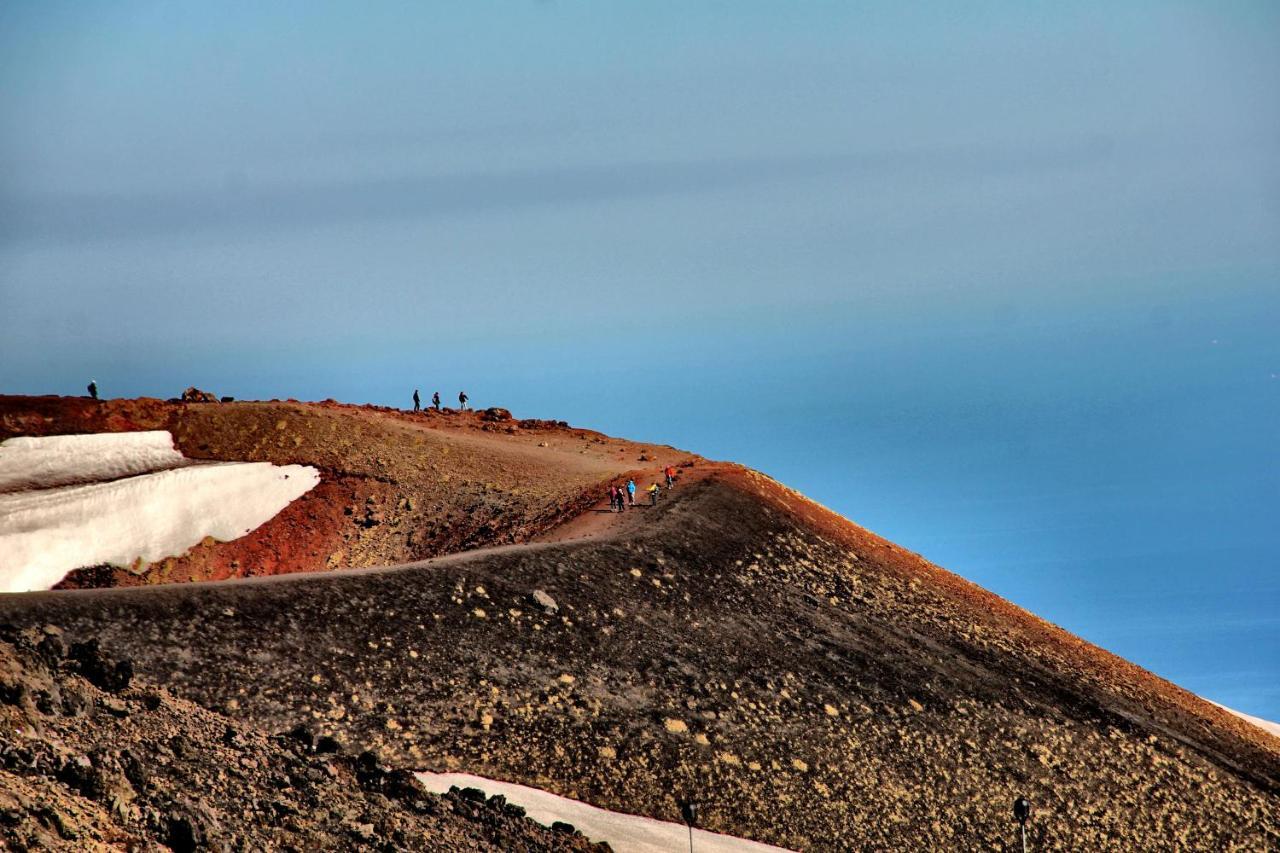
[94,759]
[810,684]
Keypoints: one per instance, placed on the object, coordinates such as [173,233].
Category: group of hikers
[435,401]
[623,496]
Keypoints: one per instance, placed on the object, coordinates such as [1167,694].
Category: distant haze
[1002,284]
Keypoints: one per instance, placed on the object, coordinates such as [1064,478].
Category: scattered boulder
[494,413]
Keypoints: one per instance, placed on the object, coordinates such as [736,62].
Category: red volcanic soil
[395,486]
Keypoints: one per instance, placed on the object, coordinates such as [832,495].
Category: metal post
[689,811]
[1022,813]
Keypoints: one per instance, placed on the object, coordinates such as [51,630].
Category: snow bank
[47,532]
[625,833]
[62,460]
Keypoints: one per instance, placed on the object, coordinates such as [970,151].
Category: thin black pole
[691,840]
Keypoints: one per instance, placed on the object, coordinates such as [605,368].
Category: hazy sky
[1001,284]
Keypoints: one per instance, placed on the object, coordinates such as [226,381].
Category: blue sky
[999,283]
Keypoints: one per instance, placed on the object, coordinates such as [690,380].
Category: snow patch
[625,833]
[62,460]
[47,532]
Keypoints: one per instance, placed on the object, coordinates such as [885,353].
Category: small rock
[545,601]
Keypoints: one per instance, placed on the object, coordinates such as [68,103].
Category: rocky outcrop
[195,395]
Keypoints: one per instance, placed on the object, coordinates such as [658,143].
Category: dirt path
[601,522]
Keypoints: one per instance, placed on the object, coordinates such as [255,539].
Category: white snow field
[625,833]
[63,460]
[47,532]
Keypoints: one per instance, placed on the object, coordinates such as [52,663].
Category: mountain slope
[811,684]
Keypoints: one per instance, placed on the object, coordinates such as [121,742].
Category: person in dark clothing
[462,400]
[613,498]
[417,401]
[93,389]
[435,401]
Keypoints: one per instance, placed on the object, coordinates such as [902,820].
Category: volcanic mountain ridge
[807,682]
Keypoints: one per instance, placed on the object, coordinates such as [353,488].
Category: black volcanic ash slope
[813,685]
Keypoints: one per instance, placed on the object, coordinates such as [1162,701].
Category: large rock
[195,395]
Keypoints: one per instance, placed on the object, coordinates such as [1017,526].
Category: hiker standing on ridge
[417,401]
[462,401]
[435,401]
[93,389]
[631,492]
